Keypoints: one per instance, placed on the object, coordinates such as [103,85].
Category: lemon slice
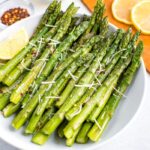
[140,16]
[10,47]
[121,10]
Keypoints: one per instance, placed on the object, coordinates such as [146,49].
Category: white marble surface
[137,135]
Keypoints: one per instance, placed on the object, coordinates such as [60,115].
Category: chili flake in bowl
[13,15]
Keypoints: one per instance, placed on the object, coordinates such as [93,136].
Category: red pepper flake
[22,94]
[1,91]
[34,53]
[13,15]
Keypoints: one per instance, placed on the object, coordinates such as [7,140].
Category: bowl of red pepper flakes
[13,15]
[13,11]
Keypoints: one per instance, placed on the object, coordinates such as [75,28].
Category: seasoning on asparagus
[71,113]
[83,50]
[109,110]
[54,92]
[101,96]
[97,111]
[75,94]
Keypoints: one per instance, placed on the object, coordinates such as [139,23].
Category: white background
[134,137]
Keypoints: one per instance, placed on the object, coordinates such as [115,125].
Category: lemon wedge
[121,10]
[140,16]
[11,46]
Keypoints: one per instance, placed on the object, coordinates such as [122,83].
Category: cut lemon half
[11,46]
[140,16]
[121,10]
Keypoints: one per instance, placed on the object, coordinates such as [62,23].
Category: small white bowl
[13,4]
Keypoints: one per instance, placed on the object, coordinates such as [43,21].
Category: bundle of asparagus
[71,75]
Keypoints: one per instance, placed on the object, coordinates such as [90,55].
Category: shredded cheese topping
[32,44]
[22,63]
[41,41]
[77,112]
[48,25]
[85,85]
[109,60]
[97,124]
[98,80]
[72,76]
[120,92]
[39,98]
[34,90]
[71,50]
[49,97]
[48,82]
[41,70]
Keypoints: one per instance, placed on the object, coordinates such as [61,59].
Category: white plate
[125,113]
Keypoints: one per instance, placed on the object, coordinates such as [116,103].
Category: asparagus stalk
[61,127]
[12,108]
[86,37]
[54,92]
[28,109]
[94,16]
[6,92]
[109,110]
[99,20]
[95,113]
[4,100]
[2,63]
[74,96]
[92,22]
[74,22]
[44,119]
[103,26]
[45,17]
[39,138]
[10,65]
[100,97]
[39,64]
[86,17]
[70,141]
[82,137]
